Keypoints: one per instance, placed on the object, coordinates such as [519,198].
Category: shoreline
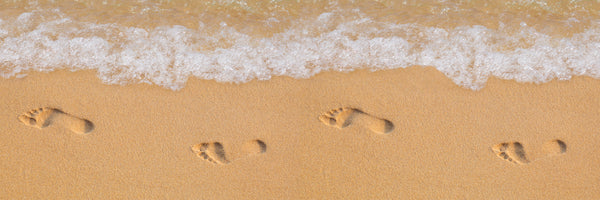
[440,147]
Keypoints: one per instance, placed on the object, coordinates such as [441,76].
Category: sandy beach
[326,137]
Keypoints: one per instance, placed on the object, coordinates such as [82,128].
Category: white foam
[168,56]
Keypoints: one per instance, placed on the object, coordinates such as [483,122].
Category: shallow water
[166,42]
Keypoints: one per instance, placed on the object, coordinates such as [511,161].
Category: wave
[169,55]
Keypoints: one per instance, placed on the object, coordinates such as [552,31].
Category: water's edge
[337,40]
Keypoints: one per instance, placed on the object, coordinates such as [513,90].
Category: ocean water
[166,42]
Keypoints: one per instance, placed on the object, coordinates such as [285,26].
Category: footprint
[214,152]
[44,117]
[514,153]
[343,117]
[554,147]
[254,147]
[511,151]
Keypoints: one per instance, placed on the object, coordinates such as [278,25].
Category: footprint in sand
[515,153]
[44,117]
[554,147]
[343,117]
[512,152]
[214,152]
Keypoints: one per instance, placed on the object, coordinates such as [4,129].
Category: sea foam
[168,56]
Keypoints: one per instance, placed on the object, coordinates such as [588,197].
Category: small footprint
[554,147]
[214,152]
[512,152]
[343,117]
[254,147]
[44,117]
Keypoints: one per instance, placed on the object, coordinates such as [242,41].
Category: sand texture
[397,134]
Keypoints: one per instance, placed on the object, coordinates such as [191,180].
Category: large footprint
[343,117]
[214,152]
[44,117]
[512,152]
[515,153]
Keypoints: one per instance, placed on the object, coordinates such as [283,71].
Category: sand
[397,134]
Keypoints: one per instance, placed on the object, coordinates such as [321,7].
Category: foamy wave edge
[168,56]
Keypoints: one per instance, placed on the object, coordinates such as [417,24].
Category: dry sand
[288,139]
